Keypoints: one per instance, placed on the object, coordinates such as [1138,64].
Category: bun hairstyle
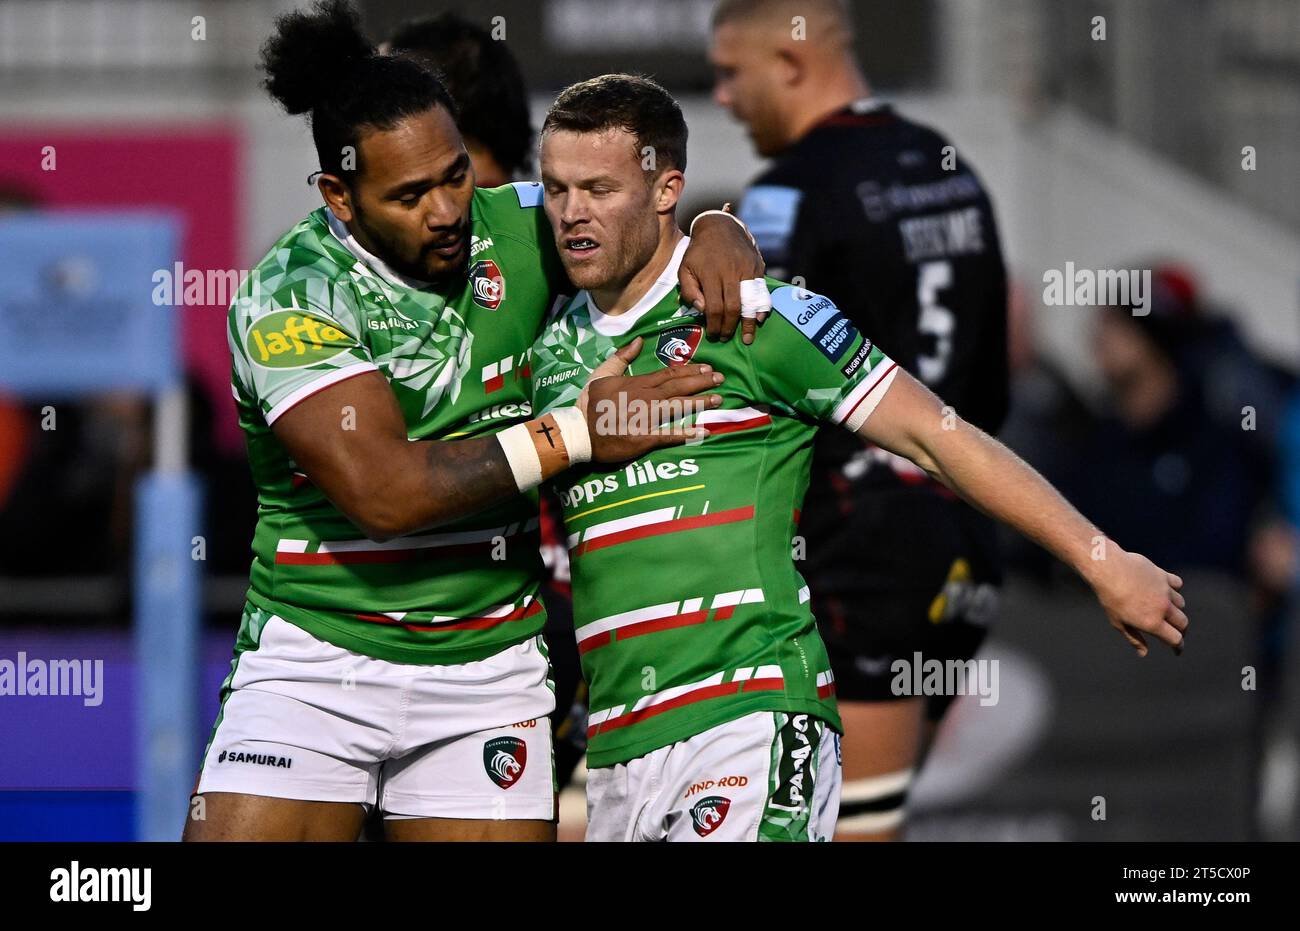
[318,62]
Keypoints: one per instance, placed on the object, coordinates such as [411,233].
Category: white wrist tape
[754,298]
[535,452]
[691,231]
[577,439]
[525,464]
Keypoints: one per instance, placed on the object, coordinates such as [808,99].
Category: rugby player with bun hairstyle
[390,653]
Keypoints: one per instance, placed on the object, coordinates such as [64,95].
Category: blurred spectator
[1181,462]
[1047,425]
[1159,473]
[483,78]
[1290,448]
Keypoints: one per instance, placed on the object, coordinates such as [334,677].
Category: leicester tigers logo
[504,758]
[676,346]
[489,284]
[708,813]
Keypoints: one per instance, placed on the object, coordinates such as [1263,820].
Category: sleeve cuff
[862,400]
[315,386]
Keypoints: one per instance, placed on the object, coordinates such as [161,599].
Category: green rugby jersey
[319,309]
[689,607]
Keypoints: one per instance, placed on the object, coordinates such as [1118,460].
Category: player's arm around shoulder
[721,273]
[350,439]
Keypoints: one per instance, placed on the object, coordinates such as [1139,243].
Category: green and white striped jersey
[319,309]
[689,607]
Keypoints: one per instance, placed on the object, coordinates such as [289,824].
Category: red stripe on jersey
[690,698]
[482,623]
[662,623]
[595,640]
[640,628]
[470,623]
[667,526]
[826,691]
[732,426]
[724,612]
[495,383]
[360,557]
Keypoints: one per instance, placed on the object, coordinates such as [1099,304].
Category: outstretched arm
[1138,596]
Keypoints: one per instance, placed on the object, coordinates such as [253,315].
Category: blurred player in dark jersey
[886,218]
[484,79]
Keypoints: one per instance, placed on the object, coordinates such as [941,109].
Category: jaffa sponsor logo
[489,284]
[504,758]
[678,345]
[708,814]
[290,339]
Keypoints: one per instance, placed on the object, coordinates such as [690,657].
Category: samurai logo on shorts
[676,346]
[489,284]
[504,758]
[708,813]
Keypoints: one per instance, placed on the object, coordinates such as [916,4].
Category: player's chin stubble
[426,266]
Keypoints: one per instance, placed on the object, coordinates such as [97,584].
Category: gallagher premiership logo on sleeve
[817,318]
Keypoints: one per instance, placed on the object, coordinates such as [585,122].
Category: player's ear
[337,196]
[790,67]
[668,190]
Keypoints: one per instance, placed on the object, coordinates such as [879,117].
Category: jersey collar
[373,262]
[853,113]
[620,324]
[866,104]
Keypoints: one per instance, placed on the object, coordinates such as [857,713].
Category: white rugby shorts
[766,776]
[304,719]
